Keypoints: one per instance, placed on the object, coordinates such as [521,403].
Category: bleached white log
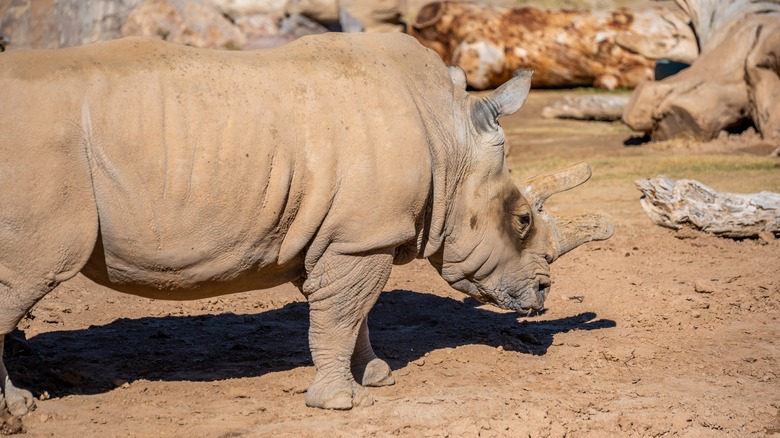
[676,204]
[588,107]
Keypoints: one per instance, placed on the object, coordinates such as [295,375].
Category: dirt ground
[652,333]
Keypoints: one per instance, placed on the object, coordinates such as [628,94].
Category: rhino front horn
[571,229]
[538,188]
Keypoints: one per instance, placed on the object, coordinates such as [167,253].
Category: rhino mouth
[527,300]
[530,299]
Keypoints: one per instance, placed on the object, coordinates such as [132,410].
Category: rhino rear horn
[505,100]
[538,188]
[572,229]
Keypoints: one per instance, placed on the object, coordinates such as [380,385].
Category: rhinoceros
[178,173]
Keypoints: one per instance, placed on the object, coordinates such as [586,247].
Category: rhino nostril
[543,287]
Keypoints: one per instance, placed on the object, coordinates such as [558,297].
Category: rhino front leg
[16,401]
[341,290]
[368,369]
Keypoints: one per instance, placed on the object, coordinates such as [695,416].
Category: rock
[766,237]
[261,32]
[49,24]
[374,15]
[195,23]
[237,8]
[11,425]
[298,26]
[703,287]
[321,11]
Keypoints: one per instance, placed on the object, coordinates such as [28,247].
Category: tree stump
[733,83]
[690,203]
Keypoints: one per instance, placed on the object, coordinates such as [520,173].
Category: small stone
[686,233]
[703,287]
[766,237]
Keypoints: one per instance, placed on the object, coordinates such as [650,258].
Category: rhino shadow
[404,326]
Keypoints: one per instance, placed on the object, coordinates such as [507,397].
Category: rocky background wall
[227,24]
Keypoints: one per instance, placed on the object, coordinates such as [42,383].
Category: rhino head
[496,241]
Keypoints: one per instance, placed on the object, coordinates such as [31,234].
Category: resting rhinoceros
[178,173]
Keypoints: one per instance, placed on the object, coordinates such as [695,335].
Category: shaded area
[404,326]
[637,140]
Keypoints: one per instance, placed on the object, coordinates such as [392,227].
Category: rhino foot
[375,373]
[16,401]
[342,395]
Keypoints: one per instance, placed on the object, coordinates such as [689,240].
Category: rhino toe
[341,400]
[376,373]
[337,395]
[18,402]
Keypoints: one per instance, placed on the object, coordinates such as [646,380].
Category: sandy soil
[654,332]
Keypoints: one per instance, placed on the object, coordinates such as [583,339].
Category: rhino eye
[522,223]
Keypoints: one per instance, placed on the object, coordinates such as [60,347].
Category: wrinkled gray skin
[177,173]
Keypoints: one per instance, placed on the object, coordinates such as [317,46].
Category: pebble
[703,287]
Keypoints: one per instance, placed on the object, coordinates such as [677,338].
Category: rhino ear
[458,77]
[505,100]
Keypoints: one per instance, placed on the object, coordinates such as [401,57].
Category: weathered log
[606,48]
[588,107]
[734,82]
[690,203]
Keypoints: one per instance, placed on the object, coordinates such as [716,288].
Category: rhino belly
[189,206]
[150,278]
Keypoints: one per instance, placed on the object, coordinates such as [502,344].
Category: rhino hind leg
[341,290]
[18,294]
[15,400]
[367,369]
[52,244]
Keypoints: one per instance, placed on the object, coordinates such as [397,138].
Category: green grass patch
[734,173]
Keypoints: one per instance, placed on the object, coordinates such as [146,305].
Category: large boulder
[48,24]
[192,22]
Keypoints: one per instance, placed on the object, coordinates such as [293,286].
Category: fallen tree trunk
[735,81]
[606,48]
[690,203]
[589,107]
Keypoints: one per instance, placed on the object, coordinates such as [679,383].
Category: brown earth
[654,332]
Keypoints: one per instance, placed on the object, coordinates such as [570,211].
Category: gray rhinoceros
[178,173]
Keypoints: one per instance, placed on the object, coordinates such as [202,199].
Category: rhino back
[213,170]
